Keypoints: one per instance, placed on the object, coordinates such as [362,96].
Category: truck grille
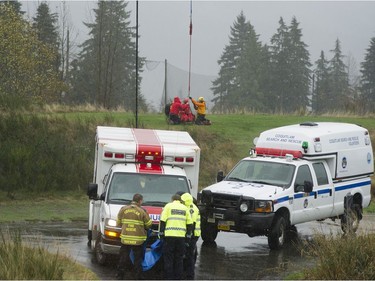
[225,201]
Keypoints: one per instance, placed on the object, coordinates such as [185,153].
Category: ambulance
[154,163]
[295,174]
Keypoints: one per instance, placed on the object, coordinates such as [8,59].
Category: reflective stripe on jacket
[176,216]
[196,216]
[134,221]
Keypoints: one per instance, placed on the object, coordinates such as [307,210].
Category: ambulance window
[321,173]
[303,175]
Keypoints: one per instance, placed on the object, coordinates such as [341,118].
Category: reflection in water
[251,262]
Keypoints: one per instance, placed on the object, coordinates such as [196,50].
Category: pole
[190,33]
[165,83]
[136,67]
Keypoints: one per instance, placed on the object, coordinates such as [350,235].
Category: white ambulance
[295,174]
[154,163]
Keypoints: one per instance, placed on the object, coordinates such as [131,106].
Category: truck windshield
[280,174]
[157,190]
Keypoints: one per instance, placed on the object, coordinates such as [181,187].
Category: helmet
[187,198]
[201,99]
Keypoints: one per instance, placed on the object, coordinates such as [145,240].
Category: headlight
[111,222]
[244,207]
[111,229]
[263,206]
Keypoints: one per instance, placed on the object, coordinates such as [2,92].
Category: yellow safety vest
[176,216]
[196,216]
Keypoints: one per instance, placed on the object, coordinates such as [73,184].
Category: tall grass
[346,258]
[42,153]
[21,262]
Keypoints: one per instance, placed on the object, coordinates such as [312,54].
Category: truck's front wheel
[209,232]
[277,234]
[100,256]
[350,219]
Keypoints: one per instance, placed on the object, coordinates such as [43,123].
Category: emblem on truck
[344,162]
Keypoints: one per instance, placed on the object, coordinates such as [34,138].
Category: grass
[22,261]
[72,206]
[347,258]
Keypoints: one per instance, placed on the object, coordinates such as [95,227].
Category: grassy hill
[47,157]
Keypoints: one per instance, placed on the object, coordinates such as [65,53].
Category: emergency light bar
[278,152]
[146,157]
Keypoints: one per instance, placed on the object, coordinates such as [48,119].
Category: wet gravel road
[233,256]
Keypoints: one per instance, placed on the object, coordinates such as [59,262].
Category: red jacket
[176,106]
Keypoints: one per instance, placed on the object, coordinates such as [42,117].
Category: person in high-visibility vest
[176,230]
[134,222]
[191,247]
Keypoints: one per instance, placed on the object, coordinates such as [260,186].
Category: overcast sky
[164,26]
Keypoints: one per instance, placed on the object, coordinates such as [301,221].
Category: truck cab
[295,174]
[154,163]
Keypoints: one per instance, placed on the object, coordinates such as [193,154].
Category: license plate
[225,225]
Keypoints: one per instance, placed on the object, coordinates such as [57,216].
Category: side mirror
[92,191]
[220,176]
[102,196]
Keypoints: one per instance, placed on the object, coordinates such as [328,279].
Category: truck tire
[209,232]
[277,234]
[350,219]
[100,257]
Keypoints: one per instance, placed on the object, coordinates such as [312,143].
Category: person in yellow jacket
[200,107]
[134,222]
[191,248]
[176,230]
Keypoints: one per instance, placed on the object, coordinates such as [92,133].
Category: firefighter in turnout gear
[176,230]
[134,221]
[191,247]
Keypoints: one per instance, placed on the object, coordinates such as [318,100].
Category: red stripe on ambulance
[149,151]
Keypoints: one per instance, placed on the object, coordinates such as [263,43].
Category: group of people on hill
[178,112]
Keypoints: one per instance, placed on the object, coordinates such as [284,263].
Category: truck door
[303,200]
[324,190]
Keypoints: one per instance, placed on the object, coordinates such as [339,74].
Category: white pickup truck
[295,174]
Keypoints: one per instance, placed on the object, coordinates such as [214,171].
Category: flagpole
[190,33]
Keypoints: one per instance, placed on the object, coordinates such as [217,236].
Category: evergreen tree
[105,71]
[291,68]
[299,68]
[280,46]
[321,88]
[368,77]
[339,80]
[249,71]
[45,24]
[237,85]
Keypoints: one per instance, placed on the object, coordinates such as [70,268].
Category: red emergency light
[149,154]
[278,152]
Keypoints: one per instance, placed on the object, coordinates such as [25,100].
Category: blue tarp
[152,255]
